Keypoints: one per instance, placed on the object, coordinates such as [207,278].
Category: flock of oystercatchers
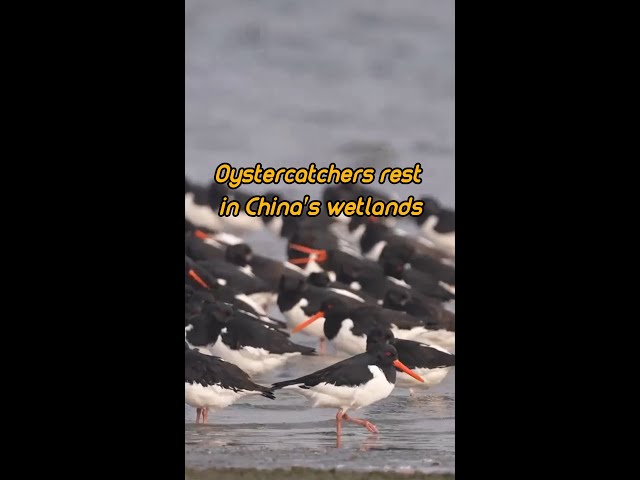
[360,285]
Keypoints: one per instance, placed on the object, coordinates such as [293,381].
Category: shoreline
[308,474]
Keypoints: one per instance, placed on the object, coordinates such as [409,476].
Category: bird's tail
[269,394]
[264,391]
[286,383]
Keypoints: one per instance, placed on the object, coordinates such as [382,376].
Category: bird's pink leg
[359,421]
[205,414]
[322,347]
[198,412]
[339,416]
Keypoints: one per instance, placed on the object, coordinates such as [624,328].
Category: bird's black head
[375,232]
[396,299]
[319,279]
[349,271]
[356,221]
[402,251]
[290,285]
[215,193]
[334,310]
[379,336]
[431,207]
[290,291]
[239,254]
[333,305]
[218,311]
[393,267]
[385,354]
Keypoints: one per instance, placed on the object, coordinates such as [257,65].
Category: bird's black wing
[446,221]
[419,355]
[209,370]
[350,372]
[246,331]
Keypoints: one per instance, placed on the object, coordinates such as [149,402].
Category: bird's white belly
[431,376]
[346,342]
[275,225]
[242,223]
[252,360]
[264,299]
[444,339]
[445,242]
[326,395]
[252,303]
[200,215]
[296,316]
[212,396]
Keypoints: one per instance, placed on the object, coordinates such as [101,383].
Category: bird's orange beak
[401,366]
[308,322]
[197,278]
[200,234]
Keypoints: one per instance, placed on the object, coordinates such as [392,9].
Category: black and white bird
[430,362]
[202,204]
[351,384]
[427,284]
[438,225]
[237,337]
[298,299]
[405,253]
[439,320]
[198,278]
[210,382]
[346,327]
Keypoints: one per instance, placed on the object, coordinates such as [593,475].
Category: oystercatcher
[408,255]
[239,338]
[322,280]
[346,327]
[198,278]
[397,271]
[200,245]
[202,205]
[196,298]
[268,270]
[297,300]
[416,305]
[377,235]
[352,383]
[210,382]
[438,225]
[240,279]
[198,210]
[428,361]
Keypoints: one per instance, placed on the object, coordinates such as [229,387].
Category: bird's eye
[388,354]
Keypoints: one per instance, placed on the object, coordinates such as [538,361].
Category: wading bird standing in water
[210,382]
[352,383]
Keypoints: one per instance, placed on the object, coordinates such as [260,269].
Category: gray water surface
[416,432]
[286,83]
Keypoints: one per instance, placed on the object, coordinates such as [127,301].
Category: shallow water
[416,433]
[359,83]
